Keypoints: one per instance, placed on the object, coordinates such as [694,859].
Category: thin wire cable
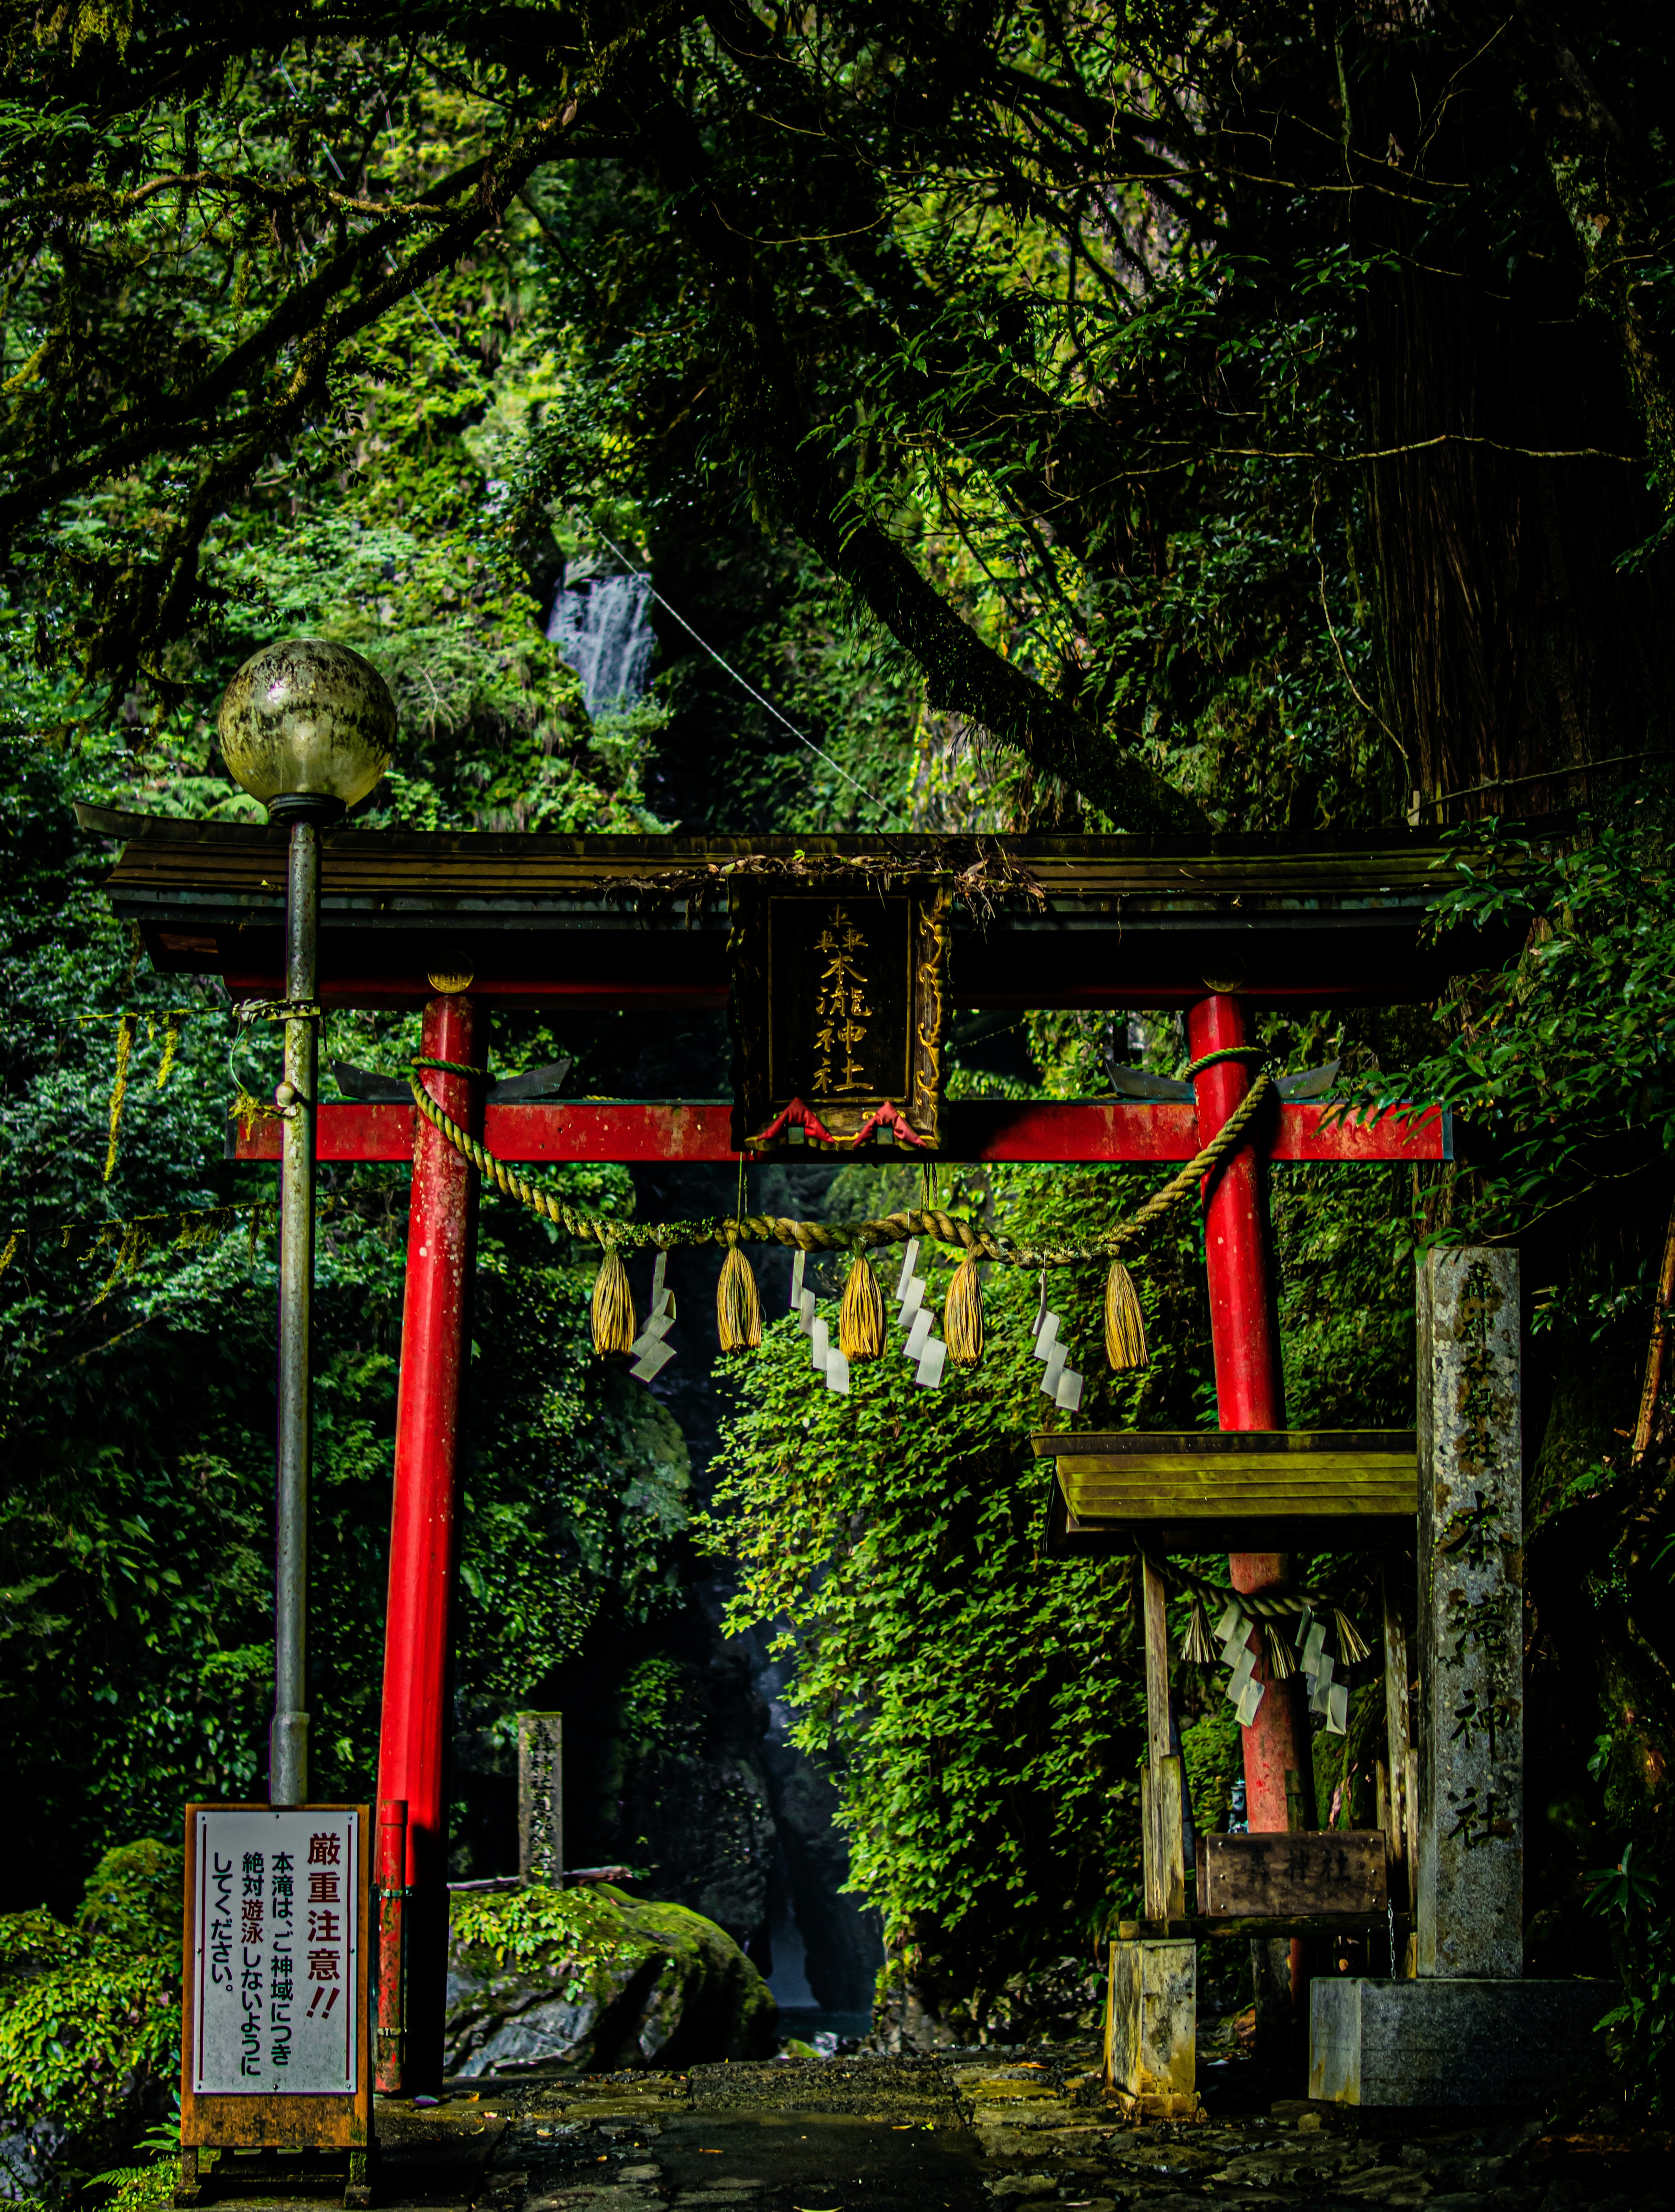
[476,375]
[324,148]
[743,682]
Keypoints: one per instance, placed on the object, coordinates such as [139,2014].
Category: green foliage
[1344,1792]
[1561,1059]
[1624,1888]
[983,1745]
[136,1402]
[1641,2029]
[655,1705]
[136,1411]
[979,1705]
[134,1897]
[965,1691]
[142,2188]
[1045,455]
[89,2010]
[1213,1749]
[1054,355]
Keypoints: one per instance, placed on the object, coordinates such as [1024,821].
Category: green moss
[135,1895]
[648,1983]
[523,1928]
[592,1925]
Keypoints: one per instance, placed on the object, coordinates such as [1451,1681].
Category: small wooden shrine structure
[460,925]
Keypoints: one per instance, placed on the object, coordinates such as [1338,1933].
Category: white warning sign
[278,1952]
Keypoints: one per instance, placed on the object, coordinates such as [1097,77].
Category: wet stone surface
[975,2132]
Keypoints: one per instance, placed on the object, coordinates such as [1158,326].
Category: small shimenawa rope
[1267,1608]
[929,1222]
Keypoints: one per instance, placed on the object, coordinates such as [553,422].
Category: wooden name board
[1307,1871]
[1231,1490]
[274,2046]
[839,1008]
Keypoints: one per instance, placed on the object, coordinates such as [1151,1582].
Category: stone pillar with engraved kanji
[1469,2030]
[1470,1890]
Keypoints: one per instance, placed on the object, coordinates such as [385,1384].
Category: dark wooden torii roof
[642,920]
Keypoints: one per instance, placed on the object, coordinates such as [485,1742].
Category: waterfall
[602,628]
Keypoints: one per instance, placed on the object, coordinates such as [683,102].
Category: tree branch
[308,317]
[770,428]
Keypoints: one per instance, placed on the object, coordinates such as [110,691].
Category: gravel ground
[969,2132]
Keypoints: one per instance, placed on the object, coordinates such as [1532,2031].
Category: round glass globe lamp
[307,727]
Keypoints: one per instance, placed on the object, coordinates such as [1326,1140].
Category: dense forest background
[1151,419]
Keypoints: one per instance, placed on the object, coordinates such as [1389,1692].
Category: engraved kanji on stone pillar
[540,1796]
[1469,1903]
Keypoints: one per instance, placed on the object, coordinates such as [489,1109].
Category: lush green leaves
[1562,1060]
[979,1702]
[87,2011]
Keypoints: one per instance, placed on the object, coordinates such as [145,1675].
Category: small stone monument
[1469,2030]
[540,1796]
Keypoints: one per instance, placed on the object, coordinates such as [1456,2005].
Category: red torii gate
[461,924]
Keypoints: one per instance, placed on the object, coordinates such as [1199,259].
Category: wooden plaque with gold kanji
[840,1007]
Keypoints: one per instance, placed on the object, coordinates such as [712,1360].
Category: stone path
[969,2133]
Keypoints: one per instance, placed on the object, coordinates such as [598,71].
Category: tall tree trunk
[1516,651]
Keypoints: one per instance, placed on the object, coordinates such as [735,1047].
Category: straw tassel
[1125,1323]
[1349,1644]
[613,1305]
[1196,1648]
[1281,1664]
[861,1316]
[962,1316]
[737,1306]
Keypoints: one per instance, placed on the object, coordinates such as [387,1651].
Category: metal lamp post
[307,727]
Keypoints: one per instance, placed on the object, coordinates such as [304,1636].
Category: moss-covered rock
[593,1978]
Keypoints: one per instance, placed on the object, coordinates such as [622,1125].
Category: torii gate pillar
[1250,1384]
[424,1558]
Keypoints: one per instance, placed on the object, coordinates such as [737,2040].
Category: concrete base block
[1450,2042]
[1151,2028]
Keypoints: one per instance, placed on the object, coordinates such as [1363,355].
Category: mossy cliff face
[592,1978]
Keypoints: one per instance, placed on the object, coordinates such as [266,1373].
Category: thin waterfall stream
[602,628]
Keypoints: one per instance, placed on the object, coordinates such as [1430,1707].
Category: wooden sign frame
[1307,1871]
[261,2119]
[904,964]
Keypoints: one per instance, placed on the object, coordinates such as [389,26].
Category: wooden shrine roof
[1053,921]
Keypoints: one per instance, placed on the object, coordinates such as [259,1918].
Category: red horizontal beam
[1068,1130]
